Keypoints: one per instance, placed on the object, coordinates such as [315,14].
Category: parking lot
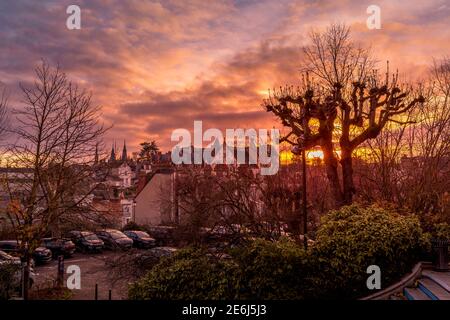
[93,271]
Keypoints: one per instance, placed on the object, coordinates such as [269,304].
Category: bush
[355,237]
[348,241]
[441,231]
[260,270]
[273,270]
[189,274]
[131,225]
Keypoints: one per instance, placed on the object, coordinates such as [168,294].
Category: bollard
[96,292]
[60,277]
[109,295]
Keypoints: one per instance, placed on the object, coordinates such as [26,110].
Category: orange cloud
[158,65]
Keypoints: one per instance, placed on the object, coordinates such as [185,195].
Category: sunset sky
[159,65]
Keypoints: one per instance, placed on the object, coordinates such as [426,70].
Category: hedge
[348,241]
[189,274]
[355,237]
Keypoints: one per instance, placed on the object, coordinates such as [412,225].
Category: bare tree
[429,147]
[341,103]
[233,203]
[408,165]
[55,148]
[379,173]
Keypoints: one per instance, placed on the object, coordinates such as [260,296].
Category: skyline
[157,66]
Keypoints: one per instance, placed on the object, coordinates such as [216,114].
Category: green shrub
[259,270]
[355,237]
[189,274]
[273,270]
[441,231]
[348,241]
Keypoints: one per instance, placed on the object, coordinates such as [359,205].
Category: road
[93,271]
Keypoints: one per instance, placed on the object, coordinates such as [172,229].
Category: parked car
[86,241]
[9,260]
[140,239]
[6,259]
[59,246]
[115,239]
[160,252]
[41,255]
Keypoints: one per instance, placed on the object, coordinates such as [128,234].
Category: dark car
[86,241]
[59,246]
[140,239]
[115,239]
[41,255]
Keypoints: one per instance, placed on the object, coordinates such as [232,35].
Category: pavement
[93,271]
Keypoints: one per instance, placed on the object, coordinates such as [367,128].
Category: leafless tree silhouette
[57,135]
[342,102]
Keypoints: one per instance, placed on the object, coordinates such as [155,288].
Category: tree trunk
[331,164]
[347,176]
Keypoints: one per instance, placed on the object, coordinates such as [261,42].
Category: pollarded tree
[342,102]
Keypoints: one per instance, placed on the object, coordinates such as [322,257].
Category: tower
[124,152]
[113,154]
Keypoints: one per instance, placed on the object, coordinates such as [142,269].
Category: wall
[153,202]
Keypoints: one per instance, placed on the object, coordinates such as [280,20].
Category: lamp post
[297,150]
[305,215]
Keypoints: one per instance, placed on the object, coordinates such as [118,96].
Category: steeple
[113,154]
[124,152]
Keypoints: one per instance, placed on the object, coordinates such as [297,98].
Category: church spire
[113,154]
[124,152]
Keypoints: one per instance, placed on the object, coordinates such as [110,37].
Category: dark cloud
[159,65]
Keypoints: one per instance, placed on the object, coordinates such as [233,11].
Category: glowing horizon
[156,65]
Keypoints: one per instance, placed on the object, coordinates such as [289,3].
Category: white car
[6,259]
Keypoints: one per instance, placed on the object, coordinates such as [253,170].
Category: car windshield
[141,234]
[89,236]
[117,234]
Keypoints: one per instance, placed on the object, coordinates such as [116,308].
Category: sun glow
[287,157]
[314,154]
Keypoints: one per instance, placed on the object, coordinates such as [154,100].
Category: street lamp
[297,149]
[133,211]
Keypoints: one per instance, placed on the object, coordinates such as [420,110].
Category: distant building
[125,174]
[127,210]
[155,198]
